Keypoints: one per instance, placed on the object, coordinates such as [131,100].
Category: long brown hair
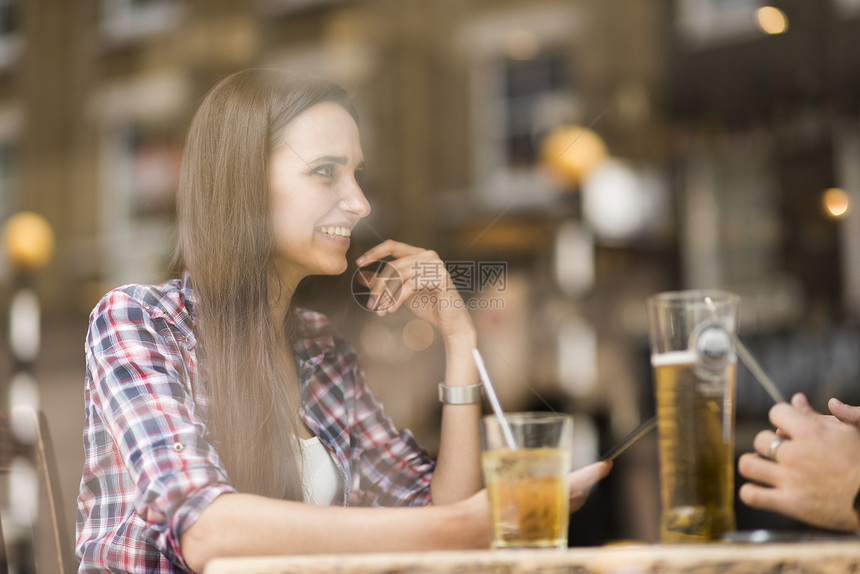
[226,243]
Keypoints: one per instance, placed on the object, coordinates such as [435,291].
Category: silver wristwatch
[460,395]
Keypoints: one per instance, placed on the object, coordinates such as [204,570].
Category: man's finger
[759,469]
[762,497]
[790,420]
[801,403]
[845,413]
[765,439]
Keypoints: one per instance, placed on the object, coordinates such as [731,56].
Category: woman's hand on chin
[417,279]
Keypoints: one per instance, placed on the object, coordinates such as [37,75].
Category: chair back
[24,435]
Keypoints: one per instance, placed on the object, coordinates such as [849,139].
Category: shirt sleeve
[140,383]
[394,470]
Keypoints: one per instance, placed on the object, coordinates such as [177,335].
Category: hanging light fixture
[571,152]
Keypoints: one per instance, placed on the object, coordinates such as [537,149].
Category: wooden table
[800,557]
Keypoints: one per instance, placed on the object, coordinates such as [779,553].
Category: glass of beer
[527,484]
[695,369]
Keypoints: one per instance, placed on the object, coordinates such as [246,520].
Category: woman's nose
[354,200]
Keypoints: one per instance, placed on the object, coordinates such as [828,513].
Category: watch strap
[467,395]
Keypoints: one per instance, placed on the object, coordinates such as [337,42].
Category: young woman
[220,419]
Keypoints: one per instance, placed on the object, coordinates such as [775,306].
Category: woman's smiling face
[314,193]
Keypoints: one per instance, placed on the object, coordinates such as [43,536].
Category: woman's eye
[360,176]
[325,170]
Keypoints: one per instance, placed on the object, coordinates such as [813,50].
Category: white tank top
[320,475]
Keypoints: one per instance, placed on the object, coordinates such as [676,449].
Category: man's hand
[809,470]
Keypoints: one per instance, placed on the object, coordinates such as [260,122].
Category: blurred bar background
[722,151]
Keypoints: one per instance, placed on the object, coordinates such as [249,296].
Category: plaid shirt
[150,468]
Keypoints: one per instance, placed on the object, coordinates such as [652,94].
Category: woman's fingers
[580,481]
[424,274]
[398,280]
[388,248]
[385,288]
[392,285]
[418,279]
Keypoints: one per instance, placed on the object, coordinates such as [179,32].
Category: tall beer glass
[695,369]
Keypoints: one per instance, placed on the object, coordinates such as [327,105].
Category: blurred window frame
[11,38]
[135,244]
[122,21]
[484,41]
[11,128]
[705,23]
[277,7]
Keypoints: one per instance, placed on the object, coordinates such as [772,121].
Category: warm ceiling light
[28,240]
[836,202]
[771,20]
[571,152]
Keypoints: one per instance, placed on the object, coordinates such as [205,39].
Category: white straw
[494,400]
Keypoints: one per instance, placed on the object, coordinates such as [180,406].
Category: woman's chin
[335,267]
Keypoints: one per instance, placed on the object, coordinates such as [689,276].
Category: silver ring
[774,446]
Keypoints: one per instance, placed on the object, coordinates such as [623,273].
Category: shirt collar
[175,305]
[188,296]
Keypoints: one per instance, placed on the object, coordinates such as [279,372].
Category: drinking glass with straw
[526,458]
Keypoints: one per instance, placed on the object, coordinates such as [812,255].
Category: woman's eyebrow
[338,159]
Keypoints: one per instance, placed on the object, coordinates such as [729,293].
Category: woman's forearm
[246,524]
[458,467]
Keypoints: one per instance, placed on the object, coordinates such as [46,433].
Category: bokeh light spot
[28,240]
[836,202]
[418,335]
[771,20]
